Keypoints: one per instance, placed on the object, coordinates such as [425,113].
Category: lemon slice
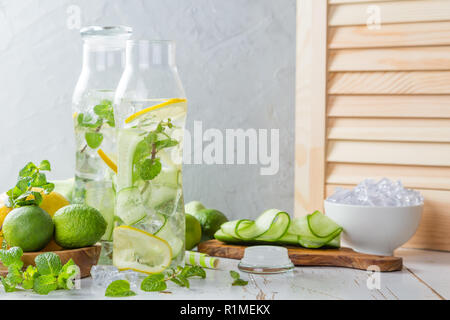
[140,251]
[144,111]
[107,160]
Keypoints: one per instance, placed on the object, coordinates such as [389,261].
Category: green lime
[210,220]
[78,226]
[193,231]
[30,228]
[193,207]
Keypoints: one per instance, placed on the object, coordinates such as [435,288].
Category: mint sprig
[31,176]
[48,275]
[147,163]
[105,115]
[237,279]
[179,276]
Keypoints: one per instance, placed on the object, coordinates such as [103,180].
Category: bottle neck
[146,54]
[103,58]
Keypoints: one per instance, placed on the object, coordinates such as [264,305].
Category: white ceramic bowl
[375,230]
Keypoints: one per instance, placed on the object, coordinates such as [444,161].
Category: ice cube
[101,274]
[384,193]
[339,195]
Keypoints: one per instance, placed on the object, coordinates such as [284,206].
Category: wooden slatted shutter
[384,108]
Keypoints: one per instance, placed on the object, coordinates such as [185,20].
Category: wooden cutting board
[85,258]
[343,257]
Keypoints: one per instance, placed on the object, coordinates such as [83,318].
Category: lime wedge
[140,251]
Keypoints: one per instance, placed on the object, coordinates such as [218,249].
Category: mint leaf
[45,283]
[44,165]
[29,168]
[151,137]
[48,187]
[239,282]
[235,275]
[181,281]
[93,139]
[87,121]
[7,285]
[12,257]
[119,288]
[105,111]
[154,282]
[68,273]
[149,169]
[22,184]
[14,275]
[167,143]
[37,197]
[29,275]
[38,179]
[48,263]
[193,271]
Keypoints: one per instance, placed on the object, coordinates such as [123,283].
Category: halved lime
[140,251]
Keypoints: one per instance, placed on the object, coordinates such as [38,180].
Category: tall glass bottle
[94,123]
[150,111]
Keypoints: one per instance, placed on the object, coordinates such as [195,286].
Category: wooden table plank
[302,283]
[431,268]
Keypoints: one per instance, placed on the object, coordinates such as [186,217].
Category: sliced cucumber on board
[276,227]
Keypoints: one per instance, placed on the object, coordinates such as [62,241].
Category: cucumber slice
[321,226]
[168,177]
[129,206]
[222,236]
[159,195]
[269,226]
[128,141]
[167,233]
[274,226]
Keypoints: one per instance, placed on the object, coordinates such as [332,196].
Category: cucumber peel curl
[276,227]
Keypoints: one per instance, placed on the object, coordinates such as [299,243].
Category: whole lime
[30,228]
[78,226]
[193,232]
[210,220]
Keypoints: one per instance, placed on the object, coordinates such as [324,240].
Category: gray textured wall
[237,63]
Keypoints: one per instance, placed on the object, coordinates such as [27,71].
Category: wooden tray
[85,258]
[343,257]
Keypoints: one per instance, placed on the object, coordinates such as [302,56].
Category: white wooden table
[424,276]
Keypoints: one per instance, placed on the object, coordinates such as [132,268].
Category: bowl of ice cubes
[377,216]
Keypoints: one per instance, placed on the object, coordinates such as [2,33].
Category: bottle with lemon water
[94,123]
[150,116]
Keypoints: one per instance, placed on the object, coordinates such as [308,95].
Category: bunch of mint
[156,281]
[105,114]
[31,176]
[49,274]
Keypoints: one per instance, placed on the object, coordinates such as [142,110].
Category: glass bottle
[150,111]
[94,123]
